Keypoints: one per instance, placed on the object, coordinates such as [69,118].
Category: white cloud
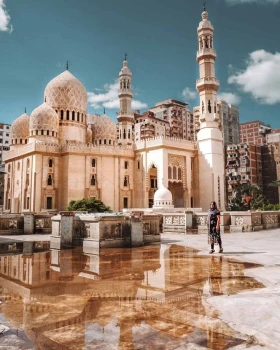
[261,78]
[189,94]
[108,98]
[5,25]
[229,97]
[262,2]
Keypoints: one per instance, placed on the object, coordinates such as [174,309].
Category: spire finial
[25,110]
[104,110]
[67,65]
[125,56]
[204,5]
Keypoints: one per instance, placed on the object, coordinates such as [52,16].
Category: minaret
[125,116]
[209,137]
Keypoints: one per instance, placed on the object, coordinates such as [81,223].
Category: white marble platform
[255,313]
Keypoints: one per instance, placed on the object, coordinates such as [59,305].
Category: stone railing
[165,141]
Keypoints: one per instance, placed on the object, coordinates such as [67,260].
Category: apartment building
[254,132]
[5,131]
[243,165]
[178,115]
[148,126]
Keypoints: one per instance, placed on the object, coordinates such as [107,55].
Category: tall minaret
[125,116]
[209,137]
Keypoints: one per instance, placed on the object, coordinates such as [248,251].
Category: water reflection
[144,298]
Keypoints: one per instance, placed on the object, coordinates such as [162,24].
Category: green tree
[90,205]
[247,196]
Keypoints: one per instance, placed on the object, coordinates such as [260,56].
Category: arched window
[73,115]
[105,142]
[78,117]
[169,173]
[174,173]
[20,141]
[61,114]
[99,142]
[129,134]
[125,182]
[109,142]
[93,163]
[82,118]
[179,174]
[124,134]
[92,181]
[50,181]
[50,163]
[67,115]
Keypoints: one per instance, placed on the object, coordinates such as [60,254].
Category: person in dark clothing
[213,222]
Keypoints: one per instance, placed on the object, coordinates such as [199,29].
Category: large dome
[44,118]
[66,92]
[20,128]
[104,128]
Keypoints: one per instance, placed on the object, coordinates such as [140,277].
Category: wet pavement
[156,297]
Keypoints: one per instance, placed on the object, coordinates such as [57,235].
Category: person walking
[213,222]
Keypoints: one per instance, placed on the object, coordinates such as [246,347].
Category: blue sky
[38,37]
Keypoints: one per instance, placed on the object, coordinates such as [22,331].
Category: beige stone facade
[61,153]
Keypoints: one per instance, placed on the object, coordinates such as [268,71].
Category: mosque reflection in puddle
[150,297]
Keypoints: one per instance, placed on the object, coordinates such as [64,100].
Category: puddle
[143,298]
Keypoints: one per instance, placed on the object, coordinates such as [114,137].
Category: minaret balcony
[206,52]
[207,81]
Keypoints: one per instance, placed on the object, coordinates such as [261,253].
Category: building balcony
[208,81]
[206,52]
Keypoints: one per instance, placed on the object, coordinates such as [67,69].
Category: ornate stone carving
[20,127]
[39,223]
[13,224]
[201,220]
[146,228]
[239,220]
[257,220]
[168,220]
[104,128]
[182,220]
[44,118]
[176,220]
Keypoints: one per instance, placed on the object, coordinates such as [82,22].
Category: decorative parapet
[98,149]
[161,141]
[245,221]
[270,219]
[177,222]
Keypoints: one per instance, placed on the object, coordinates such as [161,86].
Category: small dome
[163,199]
[67,92]
[163,194]
[20,128]
[44,118]
[104,128]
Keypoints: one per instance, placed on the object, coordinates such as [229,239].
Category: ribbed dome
[44,118]
[66,92]
[163,194]
[20,127]
[104,128]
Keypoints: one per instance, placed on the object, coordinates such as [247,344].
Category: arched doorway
[153,184]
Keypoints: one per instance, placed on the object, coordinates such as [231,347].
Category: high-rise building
[254,132]
[178,115]
[243,165]
[5,132]
[229,117]
[148,126]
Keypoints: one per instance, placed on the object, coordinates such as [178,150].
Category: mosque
[61,153]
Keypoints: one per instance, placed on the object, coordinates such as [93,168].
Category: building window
[179,174]
[153,183]
[138,165]
[92,181]
[61,114]
[93,163]
[73,115]
[50,163]
[125,202]
[169,173]
[49,202]
[174,173]
[126,164]
[125,181]
[50,180]
[67,115]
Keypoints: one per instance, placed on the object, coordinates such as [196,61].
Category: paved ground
[256,313]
